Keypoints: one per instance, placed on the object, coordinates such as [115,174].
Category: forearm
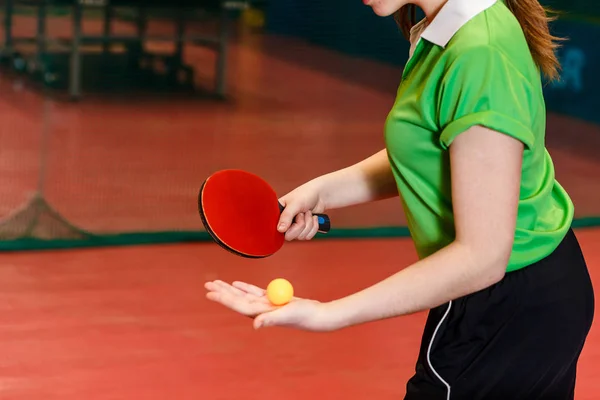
[453,272]
[366,181]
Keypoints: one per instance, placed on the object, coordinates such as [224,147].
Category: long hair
[534,20]
[406,18]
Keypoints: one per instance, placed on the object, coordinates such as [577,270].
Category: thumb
[291,209]
[271,318]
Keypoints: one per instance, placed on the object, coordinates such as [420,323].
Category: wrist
[320,188]
[333,316]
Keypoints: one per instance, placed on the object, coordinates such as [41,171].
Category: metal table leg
[107,29]
[221,67]
[142,25]
[8,14]
[180,32]
[41,29]
[75,73]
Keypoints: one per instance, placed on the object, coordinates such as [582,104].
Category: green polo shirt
[472,66]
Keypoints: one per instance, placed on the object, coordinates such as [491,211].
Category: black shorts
[518,339]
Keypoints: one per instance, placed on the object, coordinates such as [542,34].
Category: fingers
[251,301]
[220,286]
[279,316]
[240,289]
[297,227]
[314,229]
[245,299]
[305,227]
[307,222]
[287,216]
[288,315]
[311,227]
[240,304]
[248,288]
[254,290]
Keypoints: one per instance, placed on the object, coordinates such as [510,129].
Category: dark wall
[577,94]
[350,27]
[581,7]
[344,25]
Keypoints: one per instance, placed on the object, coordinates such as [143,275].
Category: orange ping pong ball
[280,292]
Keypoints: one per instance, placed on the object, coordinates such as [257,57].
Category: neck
[430,7]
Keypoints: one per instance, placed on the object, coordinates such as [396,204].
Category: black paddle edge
[212,233]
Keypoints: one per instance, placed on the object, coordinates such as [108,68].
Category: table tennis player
[500,270]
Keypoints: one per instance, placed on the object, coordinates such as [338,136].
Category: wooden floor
[133,323]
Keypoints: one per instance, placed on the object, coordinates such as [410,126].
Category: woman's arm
[363,182]
[486,171]
[368,180]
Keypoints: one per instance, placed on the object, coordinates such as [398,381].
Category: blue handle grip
[323,219]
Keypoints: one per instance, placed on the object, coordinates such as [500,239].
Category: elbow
[494,273]
[494,266]
[490,263]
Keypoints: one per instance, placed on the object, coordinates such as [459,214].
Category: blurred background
[113,113]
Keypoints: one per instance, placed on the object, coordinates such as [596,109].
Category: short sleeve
[481,86]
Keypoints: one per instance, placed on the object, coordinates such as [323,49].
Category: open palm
[251,301]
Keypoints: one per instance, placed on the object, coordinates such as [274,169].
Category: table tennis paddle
[241,212]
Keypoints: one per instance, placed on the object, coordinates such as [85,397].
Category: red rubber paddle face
[241,211]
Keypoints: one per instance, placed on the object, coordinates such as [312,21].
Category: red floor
[133,323]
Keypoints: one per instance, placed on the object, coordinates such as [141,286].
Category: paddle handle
[324,222]
[323,219]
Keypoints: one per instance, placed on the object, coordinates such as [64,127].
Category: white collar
[452,16]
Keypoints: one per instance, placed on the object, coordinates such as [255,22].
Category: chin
[382,10]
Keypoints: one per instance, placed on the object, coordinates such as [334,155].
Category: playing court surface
[132,323]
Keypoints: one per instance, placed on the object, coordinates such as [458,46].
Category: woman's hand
[251,301]
[369,180]
[297,219]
